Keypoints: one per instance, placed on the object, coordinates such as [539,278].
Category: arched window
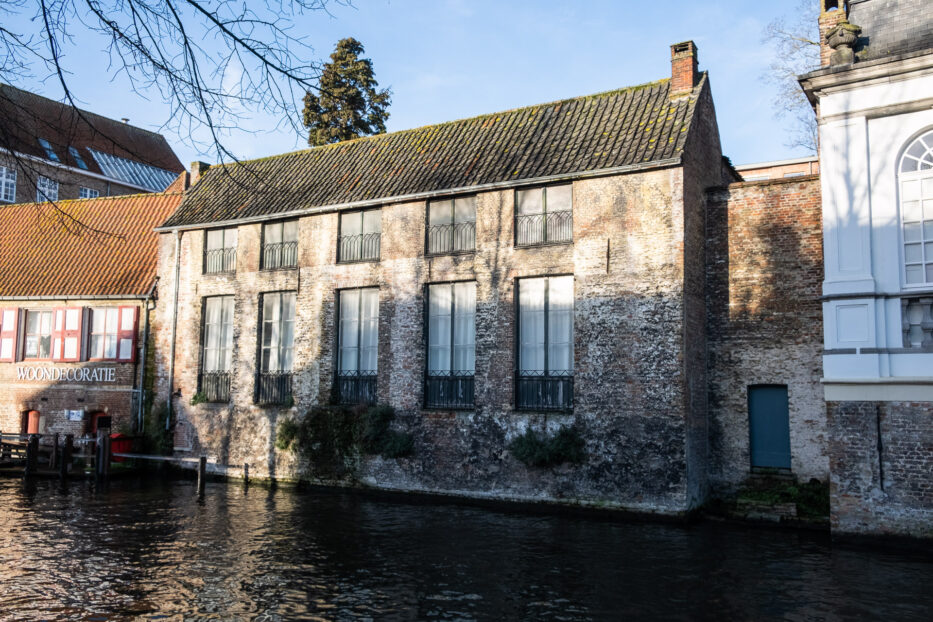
[916,180]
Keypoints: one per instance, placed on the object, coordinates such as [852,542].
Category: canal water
[133,549]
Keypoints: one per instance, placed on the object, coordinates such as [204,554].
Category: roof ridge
[385,135]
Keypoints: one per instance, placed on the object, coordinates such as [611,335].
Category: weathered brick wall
[630,386]
[764,273]
[112,395]
[69,182]
[881,459]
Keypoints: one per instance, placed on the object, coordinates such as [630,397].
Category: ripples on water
[149,550]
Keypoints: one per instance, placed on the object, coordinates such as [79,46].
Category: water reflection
[150,550]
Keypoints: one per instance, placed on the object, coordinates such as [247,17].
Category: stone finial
[841,38]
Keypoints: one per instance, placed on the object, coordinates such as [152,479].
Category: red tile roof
[44,253]
[26,117]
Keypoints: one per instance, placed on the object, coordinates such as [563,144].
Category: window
[279,245]
[220,250]
[46,189]
[452,225]
[451,345]
[545,348]
[49,152]
[88,193]
[38,343]
[7,184]
[360,236]
[77,158]
[358,345]
[8,321]
[113,334]
[217,348]
[274,385]
[544,215]
[66,335]
[916,181]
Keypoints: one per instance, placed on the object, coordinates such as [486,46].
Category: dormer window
[77,158]
[49,152]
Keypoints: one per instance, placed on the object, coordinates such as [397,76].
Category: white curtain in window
[439,319]
[464,328]
[359,330]
[440,212]
[559,198]
[351,224]
[531,325]
[349,329]
[369,329]
[560,324]
[372,221]
[278,319]
[530,201]
[218,334]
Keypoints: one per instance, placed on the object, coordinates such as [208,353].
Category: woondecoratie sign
[67,374]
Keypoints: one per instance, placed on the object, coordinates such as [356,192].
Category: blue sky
[448,59]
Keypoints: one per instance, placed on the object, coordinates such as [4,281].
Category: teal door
[769,426]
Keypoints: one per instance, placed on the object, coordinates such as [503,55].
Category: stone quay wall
[633,401]
[764,273]
[881,457]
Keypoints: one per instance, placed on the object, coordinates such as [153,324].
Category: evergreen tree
[349,105]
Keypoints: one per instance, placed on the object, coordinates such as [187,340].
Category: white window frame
[88,193]
[50,193]
[7,184]
[280,328]
[915,207]
[452,329]
[356,355]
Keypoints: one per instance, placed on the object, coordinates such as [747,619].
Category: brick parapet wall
[113,397]
[764,274]
[627,260]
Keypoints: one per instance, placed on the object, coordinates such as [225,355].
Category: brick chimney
[684,73]
[831,13]
[198,168]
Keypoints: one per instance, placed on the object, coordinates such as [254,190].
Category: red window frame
[61,334]
[9,331]
[26,335]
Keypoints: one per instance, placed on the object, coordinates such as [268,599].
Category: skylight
[132,172]
[77,158]
[48,150]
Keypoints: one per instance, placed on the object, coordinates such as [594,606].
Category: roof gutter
[79,297]
[404,198]
[80,171]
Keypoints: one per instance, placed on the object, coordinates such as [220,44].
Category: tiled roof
[26,117]
[45,254]
[633,126]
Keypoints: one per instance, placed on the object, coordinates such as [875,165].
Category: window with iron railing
[280,245]
[217,348]
[220,250]
[451,226]
[358,346]
[274,379]
[360,236]
[544,378]
[449,381]
[544,216]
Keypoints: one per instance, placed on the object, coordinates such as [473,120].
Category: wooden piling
[32,454]
[245,473]
[54,457]
[67,451]
[202,474]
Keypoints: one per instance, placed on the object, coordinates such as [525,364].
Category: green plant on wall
[198,398]
[536,450]
[333,438]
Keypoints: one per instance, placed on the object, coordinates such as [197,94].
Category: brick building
[52,151]
[76,285]
[872,98]
[521,270]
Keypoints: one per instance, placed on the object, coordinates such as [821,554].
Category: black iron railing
[538,390]
[449,391]
[362,247]
[215,385]
[356,387]
[219,260]
[273,387]
[451,238]
[549,228]
[280,255]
